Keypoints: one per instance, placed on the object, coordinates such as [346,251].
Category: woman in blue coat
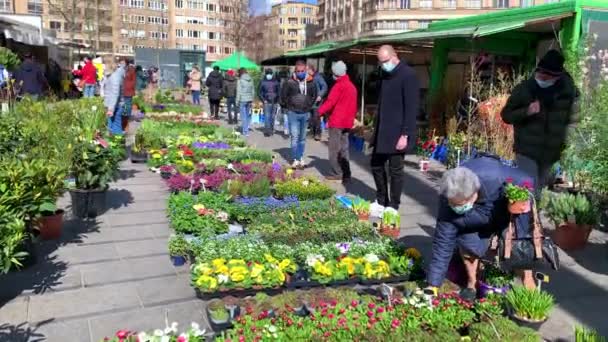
[472,209]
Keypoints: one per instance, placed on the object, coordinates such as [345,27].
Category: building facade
[117,27]
[291,19]
[350,19]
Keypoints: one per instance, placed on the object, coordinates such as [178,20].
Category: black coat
[398,105]
[215,84]
[293,100]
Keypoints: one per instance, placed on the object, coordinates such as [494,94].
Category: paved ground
[114,272]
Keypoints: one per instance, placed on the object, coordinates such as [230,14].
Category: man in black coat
[215,84]
[395,124]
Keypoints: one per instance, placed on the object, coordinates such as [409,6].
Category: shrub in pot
[94,166]
[361,207]
[574,217]
[138,152]
[178,249]
[529,307]
[518,196]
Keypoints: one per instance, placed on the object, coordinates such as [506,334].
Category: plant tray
[396,279]
[236,293]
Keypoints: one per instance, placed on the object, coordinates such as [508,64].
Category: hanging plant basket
[519,207]
[571,236]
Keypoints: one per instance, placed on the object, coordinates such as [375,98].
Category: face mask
[545,84]
[301,75]
[336,77]
[388,66]
[269,77]
[462,208]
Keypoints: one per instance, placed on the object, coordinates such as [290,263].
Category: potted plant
[219,316]
[166,171]
[518,196]
[51,222]
[529,307]
[94,166]
[232,305]
[361,207]
[138,153]
[574,217]
[178,249]
[495,281]
[391,223]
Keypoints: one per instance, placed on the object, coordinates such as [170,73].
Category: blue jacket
[488,216]
[269,90]
[321,85]
[31,78]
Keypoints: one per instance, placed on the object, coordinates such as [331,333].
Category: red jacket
[128,86]
[341,104]
[89,73]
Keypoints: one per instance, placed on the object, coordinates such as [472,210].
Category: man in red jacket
[89,77]
[341,105]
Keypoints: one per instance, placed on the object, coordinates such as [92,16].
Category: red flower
[380,310]
[122,334]
[341,311]
[527,184]
[333,303]
[395,323]
[327,334]
[370,314]
[354,303]
[509,180]
[482,300]
[241,338]
[331,316]
[371,305]
[188,153]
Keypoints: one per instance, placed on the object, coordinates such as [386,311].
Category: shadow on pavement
[593,257]
[118,198]
[20,333]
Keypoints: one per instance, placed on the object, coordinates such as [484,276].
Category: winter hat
[268,71]
[230,72]
[338,68]
[552,63]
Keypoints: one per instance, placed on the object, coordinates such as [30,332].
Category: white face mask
[545,84]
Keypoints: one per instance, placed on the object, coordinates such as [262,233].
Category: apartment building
[117,27]
[292,17]
[350,19]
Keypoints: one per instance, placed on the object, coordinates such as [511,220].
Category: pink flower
[380,310]
[182,338]
[370,314]
[122,334]
[509,180]
[354,303]
[395,323]
[371,305]
[527,184]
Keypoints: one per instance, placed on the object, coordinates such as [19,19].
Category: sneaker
[468,294]
[318,137]
[302,164]
[286,131]
[295,164]
[376,210]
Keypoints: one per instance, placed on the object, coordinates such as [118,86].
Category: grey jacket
[113,88]
[245,90]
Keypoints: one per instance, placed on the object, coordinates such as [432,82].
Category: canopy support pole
[363,88]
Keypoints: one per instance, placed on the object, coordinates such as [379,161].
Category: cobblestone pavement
[114,272]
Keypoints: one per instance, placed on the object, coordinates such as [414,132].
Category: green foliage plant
[530,304]
[178,246]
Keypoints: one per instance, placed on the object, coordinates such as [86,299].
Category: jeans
[214,106]
[395,166]
[196,97]
[246,116]
[231,104]
[298,122]
[338,152]
[127,105]
[115,121]
[89,90]
[269,111]
[538,172]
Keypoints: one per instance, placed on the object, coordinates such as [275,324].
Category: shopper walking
[89,77]
[269,95]
[298,96]
[341,108]
[142,79]
[321,93]
[128,91]
[395,125]
[244,97]
[29,77]
[112,100]
[215,85]
[194,79]
[540,110]
[229,91]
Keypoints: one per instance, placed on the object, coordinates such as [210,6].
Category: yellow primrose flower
[156,156]
[270,258]
[259,279]
[285,265]
[221,269]
[322,269]
[369,271]
[281,276]
[198,207]
[239,269]
[413,253]
[383,268]
[236,262]
[289,172]
[218,262]
[207,281]
[256,270]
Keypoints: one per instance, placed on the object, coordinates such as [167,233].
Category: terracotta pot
[519,207]
[390,231]
[363,217]
[571,236]
[50,226]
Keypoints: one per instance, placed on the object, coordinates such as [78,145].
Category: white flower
[158,333]
[311,260]
[142,336]
[222,278]
[230,166]
[196,329]
[203,181]
[237,133]
[272,329]
[305,182]
[371,258]
[412,301]
[222,216]
[165,339]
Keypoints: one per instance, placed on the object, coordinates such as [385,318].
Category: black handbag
[529,252]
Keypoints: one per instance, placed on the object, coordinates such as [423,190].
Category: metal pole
[363,88]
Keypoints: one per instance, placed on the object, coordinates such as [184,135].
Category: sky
[259,7]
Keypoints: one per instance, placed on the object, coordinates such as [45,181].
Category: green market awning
[235,61]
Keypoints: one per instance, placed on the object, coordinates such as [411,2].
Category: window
[137,3]
[34,6]
[283,10]
[292,44]
[473,4]
[307,10]
[212,35]
[211,21]
[306,21]
[449,3]
[194,34]
[293,10]
[126,18]
[404,4]
[280,21]
[211,7]
[158,35]
[157,5]
[423,24]
[196,4]
[426,4]
[293,21]
[5,5]
[125,48]
[139,19]
[179,33]
[501,3]
[211,49]
[179,3]
[55,25]
[194,20]
[227,51]
[158,21]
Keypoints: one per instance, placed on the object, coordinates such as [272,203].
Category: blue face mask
[269,77]
[301,75]
[461,209]
[388,66]
[545,84]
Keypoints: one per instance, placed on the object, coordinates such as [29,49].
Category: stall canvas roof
[235,61]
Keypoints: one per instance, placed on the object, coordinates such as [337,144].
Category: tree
[68,10]
[235,14]
[75,21]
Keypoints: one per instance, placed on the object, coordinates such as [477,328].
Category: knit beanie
[338,68]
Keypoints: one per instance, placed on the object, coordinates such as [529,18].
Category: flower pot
[88,203]
[50,226]
[571,236]
[424,165]
[524,322]
[138,157]
[178,260]
[390,231]
[233,310]
[363,217]
[218,325]
[165,175]
[301,311]
[519,207]
[484,289]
